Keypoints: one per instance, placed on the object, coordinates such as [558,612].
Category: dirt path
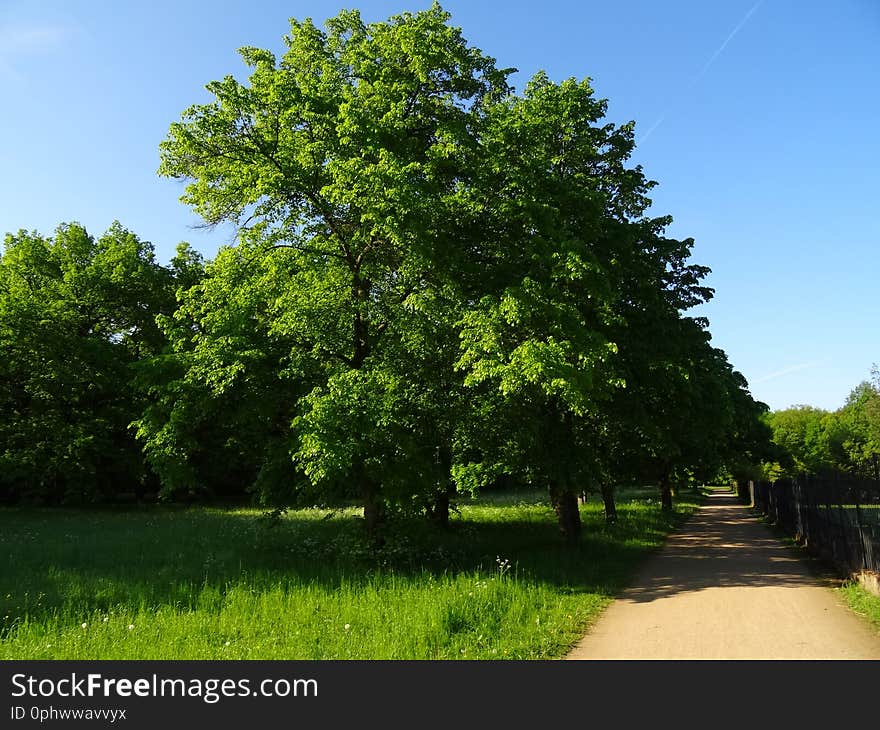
[725,588]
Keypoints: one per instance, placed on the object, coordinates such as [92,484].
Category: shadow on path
[722,545]
[726,588]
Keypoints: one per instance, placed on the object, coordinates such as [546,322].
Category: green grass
[199,583]
[862,602]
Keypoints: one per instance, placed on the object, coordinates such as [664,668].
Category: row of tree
[817,442]
[439,284]
[78,317]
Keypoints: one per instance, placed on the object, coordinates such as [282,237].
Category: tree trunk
[610,506]
[438,510]
[665,493]
[360,291]
[567,512]
[374,509]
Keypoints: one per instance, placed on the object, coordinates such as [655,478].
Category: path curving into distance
[725,587]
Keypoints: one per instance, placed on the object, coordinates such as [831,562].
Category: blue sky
[759,121]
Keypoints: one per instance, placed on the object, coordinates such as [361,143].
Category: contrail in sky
[712,59]
[787,371]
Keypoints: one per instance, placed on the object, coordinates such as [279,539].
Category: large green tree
[856,430]
[341,156]
[801,435]
[464,278]
[578,303]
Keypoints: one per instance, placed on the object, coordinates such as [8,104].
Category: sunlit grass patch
[862,602]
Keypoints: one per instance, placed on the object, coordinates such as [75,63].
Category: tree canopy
[439,284]
[817,442]
[76,314]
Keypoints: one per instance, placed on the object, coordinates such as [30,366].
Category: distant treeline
[817,442]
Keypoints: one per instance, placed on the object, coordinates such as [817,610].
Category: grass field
[200,583]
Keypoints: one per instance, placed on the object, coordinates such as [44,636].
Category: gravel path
[726,588]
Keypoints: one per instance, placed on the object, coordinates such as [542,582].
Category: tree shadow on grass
[54,561]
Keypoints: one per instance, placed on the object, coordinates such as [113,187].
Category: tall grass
[199,583]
